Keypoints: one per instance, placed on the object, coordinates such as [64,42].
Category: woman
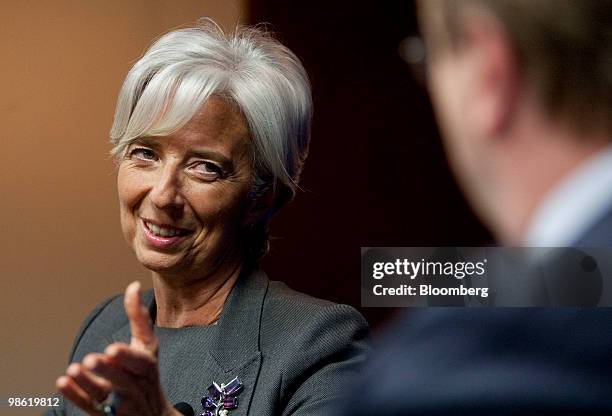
[210,134]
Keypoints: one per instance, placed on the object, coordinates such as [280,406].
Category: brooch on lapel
[221,398]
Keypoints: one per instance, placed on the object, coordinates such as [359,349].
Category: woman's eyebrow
[145,141]
[211,154]
[200,153]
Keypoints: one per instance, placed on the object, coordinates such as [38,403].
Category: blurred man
[523,94]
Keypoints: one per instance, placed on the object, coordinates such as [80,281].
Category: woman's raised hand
[129,372]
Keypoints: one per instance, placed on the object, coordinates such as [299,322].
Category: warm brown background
[376,174]
[61,250]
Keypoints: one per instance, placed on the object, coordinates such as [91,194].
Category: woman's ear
[259,207]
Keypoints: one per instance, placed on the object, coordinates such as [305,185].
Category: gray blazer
[293,353]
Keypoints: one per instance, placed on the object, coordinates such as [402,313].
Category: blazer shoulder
[292,318]
[282,301]
[311,343]
[599,234]
[102,322]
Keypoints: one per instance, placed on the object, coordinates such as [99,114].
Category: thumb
[143,336]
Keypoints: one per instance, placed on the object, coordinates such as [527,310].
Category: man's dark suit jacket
[506,361]
[289,349]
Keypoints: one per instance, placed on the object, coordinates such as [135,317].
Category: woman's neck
[192,302]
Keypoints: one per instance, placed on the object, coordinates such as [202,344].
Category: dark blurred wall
[376,174]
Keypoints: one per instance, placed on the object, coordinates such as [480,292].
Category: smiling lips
[163,236]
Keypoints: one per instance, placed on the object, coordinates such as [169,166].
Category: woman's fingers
[96,387]
[130,373]
[139,362]
[139,394]
[73,392]
[122,381]
[140,321]
[128,370]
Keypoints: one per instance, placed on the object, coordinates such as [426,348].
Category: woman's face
[183,197]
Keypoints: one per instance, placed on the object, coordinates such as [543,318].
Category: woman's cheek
[129,186]
[128,226]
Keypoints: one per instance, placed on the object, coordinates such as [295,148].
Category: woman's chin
[157,262]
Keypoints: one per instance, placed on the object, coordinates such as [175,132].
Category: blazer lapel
[234,350]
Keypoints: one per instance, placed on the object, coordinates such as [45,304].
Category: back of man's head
[563,46]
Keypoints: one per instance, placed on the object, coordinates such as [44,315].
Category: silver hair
[267,82]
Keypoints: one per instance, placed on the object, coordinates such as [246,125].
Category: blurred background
[376,173]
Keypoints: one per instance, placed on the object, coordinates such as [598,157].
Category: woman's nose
[166,191]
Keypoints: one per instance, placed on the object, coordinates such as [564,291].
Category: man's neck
[530,166]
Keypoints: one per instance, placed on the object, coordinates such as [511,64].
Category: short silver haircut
[267,82]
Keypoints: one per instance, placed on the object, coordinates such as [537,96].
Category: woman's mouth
[162,236]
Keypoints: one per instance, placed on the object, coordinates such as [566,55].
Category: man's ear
[494,74]
[259,207]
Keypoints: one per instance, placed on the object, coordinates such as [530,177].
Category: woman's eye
[208,169]
[142,153]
